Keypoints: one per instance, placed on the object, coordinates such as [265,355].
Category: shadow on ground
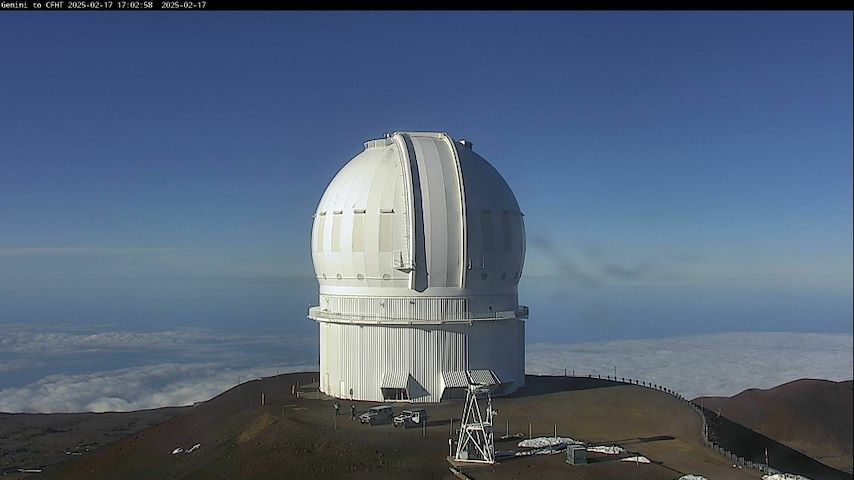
[635,441]
[541,385]
[754,446]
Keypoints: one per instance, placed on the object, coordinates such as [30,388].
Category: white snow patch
[177,451]
[609,450]
[193,448]
[784,476]
[540,442]
[636,459]
[691,476]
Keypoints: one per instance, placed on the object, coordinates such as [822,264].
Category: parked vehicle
[411,418]
[376,415]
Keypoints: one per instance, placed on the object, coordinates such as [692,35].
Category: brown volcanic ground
[811,416]
[295,438]
[44,440]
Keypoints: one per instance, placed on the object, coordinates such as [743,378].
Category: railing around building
[316,313]
[704,431]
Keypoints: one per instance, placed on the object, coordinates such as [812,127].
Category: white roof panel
[455,379]
[483,377]
[395,380]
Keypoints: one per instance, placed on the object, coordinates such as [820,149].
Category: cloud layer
[135,388]
[719,364]
[62,369]
[25,339]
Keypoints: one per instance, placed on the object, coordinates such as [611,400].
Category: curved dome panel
[420,216]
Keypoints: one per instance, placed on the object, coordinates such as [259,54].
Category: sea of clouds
[73,369]
[714,364]
[133,388]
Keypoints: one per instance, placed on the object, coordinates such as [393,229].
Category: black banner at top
[259,5]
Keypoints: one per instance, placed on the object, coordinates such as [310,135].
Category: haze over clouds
[716,364]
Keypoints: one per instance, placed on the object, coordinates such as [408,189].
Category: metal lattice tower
[476,443]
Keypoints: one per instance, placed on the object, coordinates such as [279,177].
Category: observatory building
[418,245]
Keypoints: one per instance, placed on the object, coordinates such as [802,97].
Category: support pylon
[476,442]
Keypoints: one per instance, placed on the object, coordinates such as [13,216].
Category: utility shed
[576,454]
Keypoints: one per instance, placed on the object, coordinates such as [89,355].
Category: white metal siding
[360,357]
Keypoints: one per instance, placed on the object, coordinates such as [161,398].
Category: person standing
[337,408]
[352,411]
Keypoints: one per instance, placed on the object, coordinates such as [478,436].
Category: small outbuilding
[576,454]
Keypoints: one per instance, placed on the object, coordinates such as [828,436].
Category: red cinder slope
[811,416]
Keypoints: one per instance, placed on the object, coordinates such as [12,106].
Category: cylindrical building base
[420,364]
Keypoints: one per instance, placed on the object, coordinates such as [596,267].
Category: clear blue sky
[678,148]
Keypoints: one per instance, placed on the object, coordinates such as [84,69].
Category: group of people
[337,407]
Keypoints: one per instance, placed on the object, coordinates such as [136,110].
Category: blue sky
[686,180]
[702,150]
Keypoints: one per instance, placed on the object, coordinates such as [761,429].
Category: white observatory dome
[458,233]
[416,230]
